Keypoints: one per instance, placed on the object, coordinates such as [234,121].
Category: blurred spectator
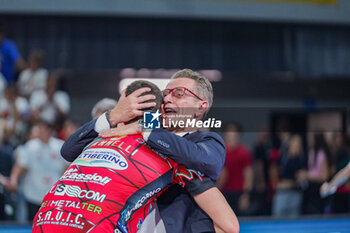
[51,105]
[261,152]
[41,163]
[21,205]
[284,135]
[236,179]
[102,106]
[2,83]
[292,173]
[34,77]
[6,158]
[319,168]
[69,127]
[281,148]
[15,110]
[9,57]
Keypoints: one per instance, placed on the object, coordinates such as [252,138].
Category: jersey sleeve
[193,181]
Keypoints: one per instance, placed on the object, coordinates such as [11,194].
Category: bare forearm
[248,179]
[215,205]
[17,172]
[341,177]
[2,179]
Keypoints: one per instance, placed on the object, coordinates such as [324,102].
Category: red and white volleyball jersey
[108,188]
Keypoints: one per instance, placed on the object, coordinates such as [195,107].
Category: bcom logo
[76,191]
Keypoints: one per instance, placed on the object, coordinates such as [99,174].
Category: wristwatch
[140,126]
[108,115]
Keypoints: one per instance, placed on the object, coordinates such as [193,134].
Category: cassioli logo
[102,158]
[73,175]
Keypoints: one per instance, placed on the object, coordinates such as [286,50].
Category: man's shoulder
[201,135]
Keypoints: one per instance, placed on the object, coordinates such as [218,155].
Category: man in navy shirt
[188,93]
[9,57]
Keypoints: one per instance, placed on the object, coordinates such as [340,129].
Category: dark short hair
[154,91]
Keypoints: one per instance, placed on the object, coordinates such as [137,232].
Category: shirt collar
[184,133]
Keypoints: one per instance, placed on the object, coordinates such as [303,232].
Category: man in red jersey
[111,185]
[236,179]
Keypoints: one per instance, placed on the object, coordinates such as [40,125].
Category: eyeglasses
[179,92]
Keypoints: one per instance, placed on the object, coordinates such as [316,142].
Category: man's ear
[203,108]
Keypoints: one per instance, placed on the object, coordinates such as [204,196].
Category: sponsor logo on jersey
[129,210]
[76,191]
[72,204]
[73,175]
[60,218]
[102,158]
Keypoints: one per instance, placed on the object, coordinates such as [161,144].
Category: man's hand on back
[121,130]
[130,106]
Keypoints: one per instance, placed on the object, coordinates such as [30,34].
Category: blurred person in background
[292,175]
[236,178]
[280,149]
[261,166]
[69,127]
[40,162]
[102,106]
[35,76]
[10,57]
[319,170]
[7,161]
[15,111]
[51,104]
[2,83]
[21,214]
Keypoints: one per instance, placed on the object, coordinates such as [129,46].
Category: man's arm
[16,57]
[215,205]
[3,180]
[209,199]
[244,199]
[125,110]
[340,178]
[206,155]
[16,173]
